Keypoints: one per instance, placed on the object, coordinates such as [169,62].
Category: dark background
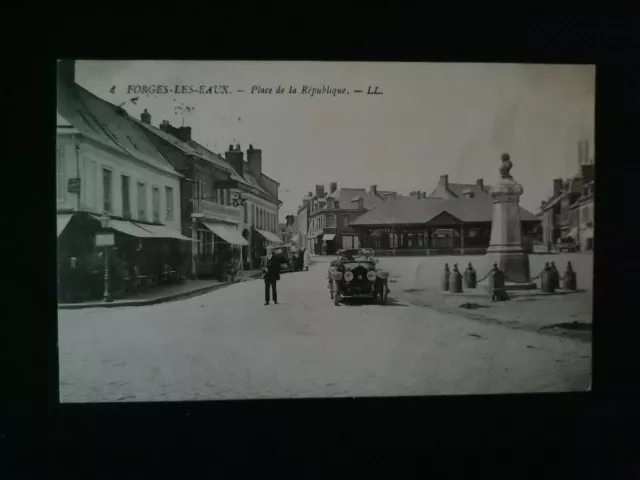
[586,435]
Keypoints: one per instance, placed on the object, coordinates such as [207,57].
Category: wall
[91,159]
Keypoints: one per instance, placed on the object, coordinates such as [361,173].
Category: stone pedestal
[505,247]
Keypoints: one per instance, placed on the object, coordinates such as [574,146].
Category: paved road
[228,345]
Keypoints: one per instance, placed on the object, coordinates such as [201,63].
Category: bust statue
[506,166]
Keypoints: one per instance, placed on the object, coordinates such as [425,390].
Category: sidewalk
[188,288]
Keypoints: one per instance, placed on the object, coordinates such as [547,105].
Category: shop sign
[105,240]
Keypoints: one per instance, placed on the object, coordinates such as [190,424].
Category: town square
[196,265]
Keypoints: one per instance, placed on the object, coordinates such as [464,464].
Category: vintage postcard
[260,230]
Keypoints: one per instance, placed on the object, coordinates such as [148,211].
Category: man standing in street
[270,267]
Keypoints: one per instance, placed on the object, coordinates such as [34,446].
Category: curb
[153,301]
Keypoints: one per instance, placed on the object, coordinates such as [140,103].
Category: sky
[432,119]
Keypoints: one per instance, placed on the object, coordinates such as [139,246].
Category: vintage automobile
[285,254]
[353,275]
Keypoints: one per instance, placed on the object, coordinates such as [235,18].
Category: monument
[506,229]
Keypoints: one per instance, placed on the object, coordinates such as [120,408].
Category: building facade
[106,168]
[331,213]
[302,223]
[563,216]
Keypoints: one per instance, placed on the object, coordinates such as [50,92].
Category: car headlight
[348,276]
[337,276]
[383,275]
[371,276]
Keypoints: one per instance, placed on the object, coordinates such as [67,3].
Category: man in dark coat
[270,266]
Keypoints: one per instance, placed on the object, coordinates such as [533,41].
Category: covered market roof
[418,211]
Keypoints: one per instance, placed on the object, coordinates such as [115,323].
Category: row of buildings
[169,200]
[568,214]
[454,217]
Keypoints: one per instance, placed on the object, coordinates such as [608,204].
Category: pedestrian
[307,259]
[270,266]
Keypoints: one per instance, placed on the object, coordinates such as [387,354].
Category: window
[246,213]
[126,199]
[345,220]
[155,198]
[169,194]
[60,177]
[253,215]
[142,201]
[218,195]
[331,220]
[107,189]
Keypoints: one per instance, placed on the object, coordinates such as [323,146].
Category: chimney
[333,186]
[145,117]
[416,194]
[480,183]
[67,71]
[587,173]
[424,195]
[183,134]
[235,158]
[320,191]
[310,194]
[583,153]
[165,126]
[444,180]
[557,185]
[254,159]
[360,203]
[374,190]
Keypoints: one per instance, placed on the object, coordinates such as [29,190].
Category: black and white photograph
[249,230]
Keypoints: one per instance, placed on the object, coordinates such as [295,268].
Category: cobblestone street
[227,345]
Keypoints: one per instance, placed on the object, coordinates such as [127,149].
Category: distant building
[568,213]
[453,218]
[302,222]
[330,215]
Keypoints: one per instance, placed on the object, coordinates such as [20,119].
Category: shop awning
[162,231]
[328,236]
[130,228]
[63,221]
[269,236]
[227,232]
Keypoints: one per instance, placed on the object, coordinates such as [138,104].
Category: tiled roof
[108,125]
[413,210]
[346,195]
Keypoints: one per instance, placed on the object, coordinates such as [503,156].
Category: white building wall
[87,162]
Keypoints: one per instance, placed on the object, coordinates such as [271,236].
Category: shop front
[262,239]
[139,255]
[227,244]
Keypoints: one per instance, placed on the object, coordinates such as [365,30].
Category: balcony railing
[215,211]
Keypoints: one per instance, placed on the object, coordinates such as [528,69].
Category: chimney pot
[480,183]
[374,189]
[557,185]
[320,190]
[333,186]
[444,180]
[145,117]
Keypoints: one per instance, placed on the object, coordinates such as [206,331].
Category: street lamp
[105,223]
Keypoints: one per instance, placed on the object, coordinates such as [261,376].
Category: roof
[346,195]
[412,210]
[108,125]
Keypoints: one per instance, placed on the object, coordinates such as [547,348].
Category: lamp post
[105,223]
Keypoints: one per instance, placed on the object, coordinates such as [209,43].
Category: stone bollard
[570,282]
[444,284]
[498,292]
[490,277]
[546,280]
[470,278]
[556,276]
[455,280]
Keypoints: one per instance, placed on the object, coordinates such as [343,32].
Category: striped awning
[227,232]
[162,231]
[269,236]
